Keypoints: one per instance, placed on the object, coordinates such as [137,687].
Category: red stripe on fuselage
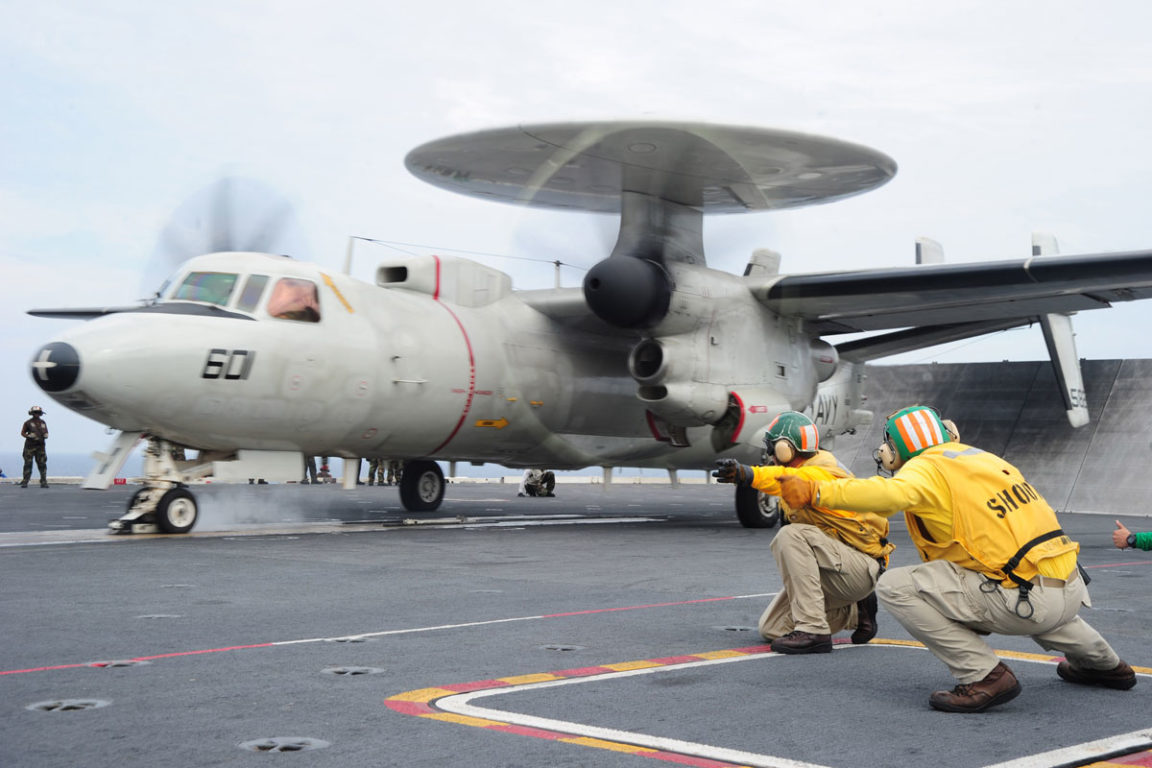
[740,423]
[471,363]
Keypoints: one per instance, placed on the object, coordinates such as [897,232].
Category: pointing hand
[732,471]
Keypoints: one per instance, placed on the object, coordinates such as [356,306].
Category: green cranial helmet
[797,429]
[914,429]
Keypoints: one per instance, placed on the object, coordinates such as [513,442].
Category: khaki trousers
[823,578]
[943,606]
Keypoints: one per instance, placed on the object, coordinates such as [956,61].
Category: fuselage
[438,359]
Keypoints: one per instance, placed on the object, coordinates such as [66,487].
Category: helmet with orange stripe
[908,433]
[791,435]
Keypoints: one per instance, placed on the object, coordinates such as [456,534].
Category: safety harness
[1025,586]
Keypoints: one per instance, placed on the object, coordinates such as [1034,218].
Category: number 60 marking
[232,365]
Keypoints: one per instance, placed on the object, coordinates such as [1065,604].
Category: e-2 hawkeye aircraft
[257,360]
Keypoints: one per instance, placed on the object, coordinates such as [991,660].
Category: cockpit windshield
[253,290]
[210,287]
[295,299]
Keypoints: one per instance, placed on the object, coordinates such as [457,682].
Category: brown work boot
[997,687]
[802,642]
[866,626]
[1121,678]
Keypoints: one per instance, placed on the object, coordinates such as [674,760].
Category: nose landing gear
[164,504]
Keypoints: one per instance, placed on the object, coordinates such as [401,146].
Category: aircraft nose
[56,367]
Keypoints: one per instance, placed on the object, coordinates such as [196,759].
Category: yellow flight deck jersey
[863,531]
[967,506]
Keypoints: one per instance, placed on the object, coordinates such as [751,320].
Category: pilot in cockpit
[295,299]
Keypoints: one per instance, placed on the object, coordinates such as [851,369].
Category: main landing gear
[421,486]
[167,510]
[755,509]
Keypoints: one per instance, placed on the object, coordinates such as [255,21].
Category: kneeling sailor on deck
[995,558]
[829,559]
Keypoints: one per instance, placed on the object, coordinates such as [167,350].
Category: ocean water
[63,464]
[80,464]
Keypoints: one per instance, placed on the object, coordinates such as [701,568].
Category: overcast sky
[1004,118]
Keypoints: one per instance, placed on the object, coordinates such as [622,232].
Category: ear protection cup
[784,452]
[889,459]
[910,431]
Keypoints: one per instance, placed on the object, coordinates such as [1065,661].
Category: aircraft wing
[568,307]
[951,301]
[166,308]
[80,313]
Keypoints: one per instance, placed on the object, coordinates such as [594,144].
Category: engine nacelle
[651,361]
[825,359]
[628,292]
[750,409]
[664,370]
[685,403]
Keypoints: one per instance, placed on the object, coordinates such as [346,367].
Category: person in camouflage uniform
[35,432]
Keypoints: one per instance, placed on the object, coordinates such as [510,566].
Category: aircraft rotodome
[258,360]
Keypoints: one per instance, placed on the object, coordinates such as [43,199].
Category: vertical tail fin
[1061,341]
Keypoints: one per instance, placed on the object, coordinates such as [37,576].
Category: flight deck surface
[599,628]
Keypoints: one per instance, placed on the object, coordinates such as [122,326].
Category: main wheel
[176,512]
[755,509]
[421,486]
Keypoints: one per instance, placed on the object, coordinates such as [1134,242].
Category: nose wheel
[159,510]
[177,511]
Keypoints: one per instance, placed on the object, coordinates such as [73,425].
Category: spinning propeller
[230,214]
[233,213]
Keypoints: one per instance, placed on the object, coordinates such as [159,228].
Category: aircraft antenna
[348,254]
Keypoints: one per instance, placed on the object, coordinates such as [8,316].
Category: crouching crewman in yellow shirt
[829,559]
[995,561]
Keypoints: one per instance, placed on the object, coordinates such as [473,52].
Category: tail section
[839,405]
[1061,343]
